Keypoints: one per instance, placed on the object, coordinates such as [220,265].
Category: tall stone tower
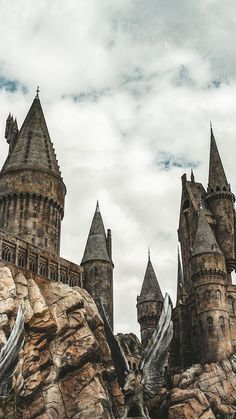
[204,317]
[32,191]
[98,266]
[209,277]
[149,304]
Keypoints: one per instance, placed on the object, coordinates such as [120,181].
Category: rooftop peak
[205,241]
[217,178]
[150,288]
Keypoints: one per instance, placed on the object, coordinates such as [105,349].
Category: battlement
[20,254]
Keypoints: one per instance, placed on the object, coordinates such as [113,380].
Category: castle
[204,317]
[32,194]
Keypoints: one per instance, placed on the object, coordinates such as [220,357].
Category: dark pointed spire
[33,148]
[150,289]
[180,283]
[96,246]
[192,176]
[205,241]
[217,177]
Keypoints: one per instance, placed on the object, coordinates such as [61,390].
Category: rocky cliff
[206,392]
[65,369]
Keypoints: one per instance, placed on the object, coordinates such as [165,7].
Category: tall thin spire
[96,246]
[217,178]
[192,176]
[33,148]
[149,257]
[150,289]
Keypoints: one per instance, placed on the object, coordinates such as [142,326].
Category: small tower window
[218,188]
[207,295]
[7,254]
[210,322]
[218,295]
[230,302]
[222,322]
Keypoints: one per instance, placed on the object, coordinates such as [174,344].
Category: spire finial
[211,129]
[149,257]
[97,207]
[37,93]
[192,176]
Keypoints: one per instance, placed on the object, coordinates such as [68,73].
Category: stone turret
[209,276]
[221,202]
[98,266]
[32,191]
[149,304]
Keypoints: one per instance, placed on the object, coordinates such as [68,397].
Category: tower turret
[209,277]
[98,266]
[149,304]
[221,202]
[32,191]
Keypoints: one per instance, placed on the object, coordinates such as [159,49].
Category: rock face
[65,368]
[206,392]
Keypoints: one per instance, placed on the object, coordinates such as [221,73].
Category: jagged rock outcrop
[206,392]
[65,369]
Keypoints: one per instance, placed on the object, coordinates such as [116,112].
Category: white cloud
[122,85]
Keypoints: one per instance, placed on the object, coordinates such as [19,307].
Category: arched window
[43,269]
[21,260]
[63,277]
[7,254]
[225,189]
[53,273]
[186,205]
[218,295]
[230,301]
[210,322]
[222,322]
[218,188]
[207,295]
[32,264]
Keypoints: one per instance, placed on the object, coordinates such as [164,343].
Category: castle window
[230,301]
[186,205]
[53,273]
[63,277]
[210,322]
[7,253]
[207,295]
[222,322]
[21,260]
[225,189]
[218,295]
[43,269]
[218,188]
[33,264]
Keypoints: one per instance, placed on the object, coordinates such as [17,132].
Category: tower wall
[32,207]
[221,205]
[148,316]
[212,310]
[98,281]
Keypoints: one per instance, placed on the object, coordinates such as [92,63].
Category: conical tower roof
[217,175]
[96,246]
[33,149]
[205,241]
[150,289]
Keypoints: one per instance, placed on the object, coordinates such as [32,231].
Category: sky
[128,89]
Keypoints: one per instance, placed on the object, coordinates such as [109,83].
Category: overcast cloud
[128,89]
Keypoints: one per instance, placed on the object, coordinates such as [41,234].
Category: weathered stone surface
[65,368]
[207,391]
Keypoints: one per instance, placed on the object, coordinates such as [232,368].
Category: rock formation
[65,369]
[206,392]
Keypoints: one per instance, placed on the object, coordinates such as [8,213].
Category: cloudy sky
[128,89]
